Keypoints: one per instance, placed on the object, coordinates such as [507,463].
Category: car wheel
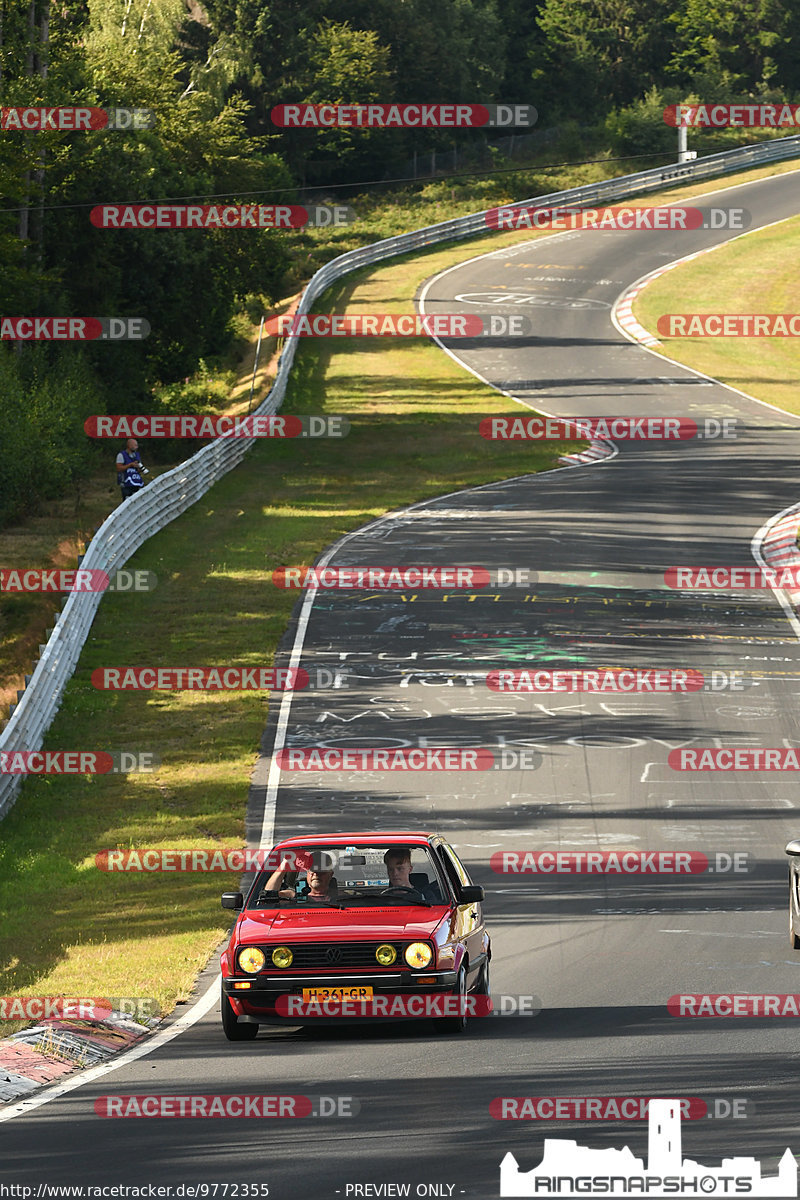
[794,940]
[482,986]
[455,1024]
[233,1031]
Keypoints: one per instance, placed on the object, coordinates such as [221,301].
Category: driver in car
[318,885]
[398,868]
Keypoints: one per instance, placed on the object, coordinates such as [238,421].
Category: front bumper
[257,1004]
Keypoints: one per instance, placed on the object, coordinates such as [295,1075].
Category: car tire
[482,987]
[233,1031]
[794,940]
[455,1024]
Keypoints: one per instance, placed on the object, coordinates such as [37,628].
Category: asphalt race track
[603,954]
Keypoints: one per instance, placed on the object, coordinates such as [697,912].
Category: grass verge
[71,929]
[754,274]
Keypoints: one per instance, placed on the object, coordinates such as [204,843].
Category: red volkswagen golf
[356,926]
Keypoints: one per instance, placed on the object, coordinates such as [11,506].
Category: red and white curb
[41,1055]
[596,451]
[778,547]
[622,312]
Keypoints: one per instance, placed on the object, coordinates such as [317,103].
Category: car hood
[335,924]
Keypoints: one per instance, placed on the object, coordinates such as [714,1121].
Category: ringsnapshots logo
[73,329]
[367,325]
[618,429]
[745,325]
[189,426]
[78,762]
[78,579]
[622,862]
[221,216]
[571,1170]
[626,218]
[404,116]
[724,116]
[215,679]
[75,119]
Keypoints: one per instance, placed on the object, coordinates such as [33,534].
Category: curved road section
[576,773]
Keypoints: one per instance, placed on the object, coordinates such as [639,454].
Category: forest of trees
[211,72]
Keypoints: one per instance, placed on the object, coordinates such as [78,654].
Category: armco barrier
[124,531]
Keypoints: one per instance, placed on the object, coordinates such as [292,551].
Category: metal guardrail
[130,525]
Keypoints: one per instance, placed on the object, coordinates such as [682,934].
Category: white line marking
[207,1000]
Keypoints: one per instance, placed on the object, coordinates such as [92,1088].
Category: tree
[745,42]
[599,54]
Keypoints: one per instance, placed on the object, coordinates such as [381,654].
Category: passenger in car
[398,868]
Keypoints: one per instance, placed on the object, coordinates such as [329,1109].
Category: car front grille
[334,956]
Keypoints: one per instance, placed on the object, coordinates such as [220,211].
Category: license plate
[337,993]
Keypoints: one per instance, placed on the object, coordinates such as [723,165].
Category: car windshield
[345,876]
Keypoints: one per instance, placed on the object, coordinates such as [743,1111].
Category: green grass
[70,928]
[753,274]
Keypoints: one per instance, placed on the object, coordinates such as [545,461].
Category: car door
[470,916]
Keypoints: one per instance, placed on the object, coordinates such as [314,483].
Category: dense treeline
[212,71]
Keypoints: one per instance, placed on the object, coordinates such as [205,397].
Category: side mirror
[793,848]
[474,895]
[233,900]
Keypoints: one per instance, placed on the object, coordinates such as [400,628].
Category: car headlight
[418,955]
[282,956]
[386,955]
[251,960]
